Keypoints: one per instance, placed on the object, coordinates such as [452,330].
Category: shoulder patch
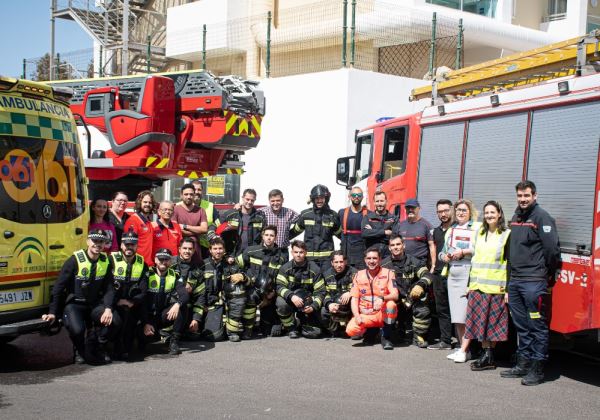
[547,229]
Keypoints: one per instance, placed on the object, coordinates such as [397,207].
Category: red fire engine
[535,116]
[136,131]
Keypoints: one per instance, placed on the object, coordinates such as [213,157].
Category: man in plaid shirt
[280,216]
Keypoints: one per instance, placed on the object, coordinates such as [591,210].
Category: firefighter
[534,257]
[167,300]
[130,274]
[85,280]
[377,225]
[225,293]
[141,223]
[246,220]
[374,299]
[300,293]
[351,217]
[412,281]
[336,311]
[191,274]
[261,264]
[319,224]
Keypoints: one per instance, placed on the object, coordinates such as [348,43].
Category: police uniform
[306,282]
[82,292]
[130,280]
[164,291]
[192,275]
[411,272]
[223,297]
[261,265]
[336,284]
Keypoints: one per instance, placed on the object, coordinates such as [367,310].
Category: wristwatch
[184,227]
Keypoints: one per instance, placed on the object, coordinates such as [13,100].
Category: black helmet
[231,289]
[263,283]
[230,236]
[305,296]
[320,190]
[344,313]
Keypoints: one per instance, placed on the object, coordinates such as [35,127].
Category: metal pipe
[204,47]
[125,38]
[432,49]
[268,58]
[148,56]
[58,66]
[52,39]
[344,32]
[353,34]
[24,69]
[100,65]
[459,45]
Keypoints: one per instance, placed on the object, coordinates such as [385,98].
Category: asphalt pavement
[282,378]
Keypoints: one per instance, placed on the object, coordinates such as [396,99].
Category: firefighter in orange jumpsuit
[373,299]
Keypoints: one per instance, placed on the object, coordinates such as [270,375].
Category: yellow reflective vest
[209,209]
[488,265]
[84,266]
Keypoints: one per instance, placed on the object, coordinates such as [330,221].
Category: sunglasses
[354,195]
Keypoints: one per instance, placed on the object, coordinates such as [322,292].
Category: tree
[62,69]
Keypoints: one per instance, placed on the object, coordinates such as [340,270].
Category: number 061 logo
[22,179]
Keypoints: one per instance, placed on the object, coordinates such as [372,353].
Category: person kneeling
[373,299]
[167,301]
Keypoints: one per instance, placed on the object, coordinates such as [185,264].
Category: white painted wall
[310,122]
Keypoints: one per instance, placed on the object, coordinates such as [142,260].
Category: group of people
[193,273]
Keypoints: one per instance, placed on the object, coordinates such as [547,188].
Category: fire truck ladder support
[550,62]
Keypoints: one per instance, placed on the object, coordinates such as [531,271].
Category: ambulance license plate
[7,298]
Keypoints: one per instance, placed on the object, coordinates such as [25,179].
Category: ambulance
[43,200]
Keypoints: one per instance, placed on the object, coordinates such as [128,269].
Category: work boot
[370,336]
[485,362]
[276,330]
[294,333]
[535,376]
[234,338]
[519,370]
[442,345]
[386,344]
[247,334]
[174,349]
[420,342]
[78,359]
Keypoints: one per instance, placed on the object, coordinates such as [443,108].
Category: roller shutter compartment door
[563,159]
[439,166]
[494,160]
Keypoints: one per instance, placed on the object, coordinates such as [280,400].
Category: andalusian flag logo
[28,246]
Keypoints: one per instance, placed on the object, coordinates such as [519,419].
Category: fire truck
[533,115]
[137,131]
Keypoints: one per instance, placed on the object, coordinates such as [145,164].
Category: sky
[25,33]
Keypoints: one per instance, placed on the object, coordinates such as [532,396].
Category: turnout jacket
[319,225]
[336,284]
[258,258]
[378,223]
[534,247]
[216,275]
[409,272]
[235,218]
[190,273]
[292,277]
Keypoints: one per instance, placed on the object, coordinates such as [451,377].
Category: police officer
[336,311]
[167,300]
[85,280]
[300,292]
[225,289]
[412,281]
[261,264]
[319,224]
[130,274]
[534,258]
[191,274]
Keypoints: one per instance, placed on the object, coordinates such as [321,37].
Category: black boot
[485,362]
[519,370]
[293,333]
[385,341]
[174,349]
[78,358]
[535,376]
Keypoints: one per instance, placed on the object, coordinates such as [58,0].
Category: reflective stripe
[486,266]
[309,222]
[318,254]
[491,282]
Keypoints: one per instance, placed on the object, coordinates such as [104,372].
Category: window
[393,154]
[557,7]
[364,151]
[480,7]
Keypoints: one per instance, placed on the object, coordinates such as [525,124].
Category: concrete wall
[310,122]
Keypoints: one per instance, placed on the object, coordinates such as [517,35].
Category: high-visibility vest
[209,209]
[120,267]
[154,282]
[488,265]
[84,266]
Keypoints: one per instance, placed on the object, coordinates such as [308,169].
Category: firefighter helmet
[305,296]
[262,286]
[230,236]
[344,313]
[320,190]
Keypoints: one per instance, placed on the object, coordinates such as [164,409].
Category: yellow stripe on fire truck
[156,162]
[238,126]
